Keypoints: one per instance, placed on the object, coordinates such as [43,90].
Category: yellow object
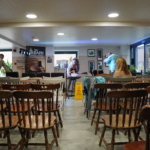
[78,91]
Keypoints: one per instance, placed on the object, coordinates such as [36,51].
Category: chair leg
[97,122]
[113,139]
[22,132]
[54,134]
[129,136]
[93,117]
[8,138]
[46,140]
[60,120]
[57,127]
[102,135]
[135,135]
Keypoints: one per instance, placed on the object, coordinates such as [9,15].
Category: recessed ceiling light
[31,16]
[60,34]
[94,39]
[35,39]
[113,15]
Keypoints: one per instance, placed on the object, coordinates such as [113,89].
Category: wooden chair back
[14,87]
[54,88]
[10,81]
[103,74]
[55,80]
[6,119]
[28,81]
[130,117]
[120,80]
[101,100]
[27,120]
[137,85]
[142,76]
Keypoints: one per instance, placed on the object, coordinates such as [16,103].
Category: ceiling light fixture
[60,34]
[31,16]
[113,15]
[94,39]
[36,40]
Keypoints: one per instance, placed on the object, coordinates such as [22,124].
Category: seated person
[122,69]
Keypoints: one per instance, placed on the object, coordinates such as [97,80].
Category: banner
[35,62]
[78,91]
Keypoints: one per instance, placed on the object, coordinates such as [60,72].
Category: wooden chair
[136,85]
[103,74]
[7,121]
[10,81]
[120,80]
[124,120]
[15,87]
[102,103]
[142,145]
[55,104]
[28,122]
[28,81]
[142,76]
[132,86]
[54,80]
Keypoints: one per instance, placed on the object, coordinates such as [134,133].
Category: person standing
[2,63]
[72,68]
[111,61]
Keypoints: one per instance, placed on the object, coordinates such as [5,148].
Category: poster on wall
[91,65]
[35,62]
[49,59]
[99,65]
[99,54]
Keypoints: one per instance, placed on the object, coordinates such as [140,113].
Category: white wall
[16,55]
[125,52]
[49,52]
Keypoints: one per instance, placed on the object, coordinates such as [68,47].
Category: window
[147,47]
[140,57]
[63,59]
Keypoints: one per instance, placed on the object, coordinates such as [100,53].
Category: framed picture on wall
[106,65]
[99,54]
[99,65]
[91,65]
[91,52]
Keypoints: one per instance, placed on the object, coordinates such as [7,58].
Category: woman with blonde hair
[122,69]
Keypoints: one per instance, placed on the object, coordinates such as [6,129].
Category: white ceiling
[80,20]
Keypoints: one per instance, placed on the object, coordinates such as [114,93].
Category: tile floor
[77,133]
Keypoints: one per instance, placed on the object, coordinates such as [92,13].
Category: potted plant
[148,72]
[133,70]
